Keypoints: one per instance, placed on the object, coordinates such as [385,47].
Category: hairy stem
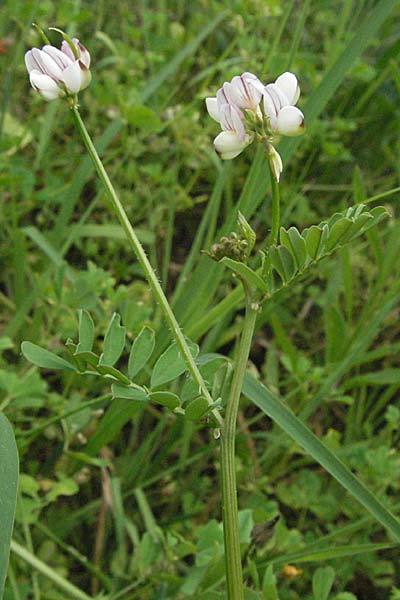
[233,560]
[144,262]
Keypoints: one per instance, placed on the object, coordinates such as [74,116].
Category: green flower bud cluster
[231,246]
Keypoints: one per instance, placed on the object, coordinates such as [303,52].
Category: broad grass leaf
[132,392]
[113,372]
[303,436]
[331,552]
[114,342]
[86,332]
[315,240]
[322,582]
[296,244]
[380,378]
[171,364]
[44,358]
[246,524]
[119,412]
[337,233]
[269,584]
[89,357]
[336,334]
[282,262]
[244,271]
[8,493]
[142,349]
[168,399]
[196,408]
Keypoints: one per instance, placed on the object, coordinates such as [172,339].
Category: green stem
[144,262]
[233,559]
[275,209]
[48,572]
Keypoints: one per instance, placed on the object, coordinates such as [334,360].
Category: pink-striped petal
[62,60]
[47,64]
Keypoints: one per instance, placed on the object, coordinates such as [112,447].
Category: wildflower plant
[248,112]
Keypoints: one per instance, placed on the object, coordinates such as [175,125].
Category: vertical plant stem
[275,209]
[233,559]
[144,261]
[58,580]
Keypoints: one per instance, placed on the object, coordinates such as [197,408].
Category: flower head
[279,100]
[58,73]
[248,110]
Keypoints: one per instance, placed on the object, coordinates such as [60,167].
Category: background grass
[130,506]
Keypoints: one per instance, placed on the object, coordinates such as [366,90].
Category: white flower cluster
[56,73]
[245,108]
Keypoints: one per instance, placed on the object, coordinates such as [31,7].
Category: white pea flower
[56,73]
[244,91]
[279,100]
[233,138]
[237,108]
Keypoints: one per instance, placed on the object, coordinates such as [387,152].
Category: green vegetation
[119,452]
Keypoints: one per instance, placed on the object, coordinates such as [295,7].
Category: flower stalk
[233,561]
[275,207]
[144,262]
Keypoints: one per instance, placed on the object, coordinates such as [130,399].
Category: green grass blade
[68,199]
[358,348]
[170,68]
[208,274]
[8,493]
[288,7]
[205,230]
[298,32]
[303,436]
[60,582]
[330,553]
[336,74]
[45,132]
[36,236]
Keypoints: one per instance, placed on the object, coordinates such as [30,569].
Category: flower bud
[275,162]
